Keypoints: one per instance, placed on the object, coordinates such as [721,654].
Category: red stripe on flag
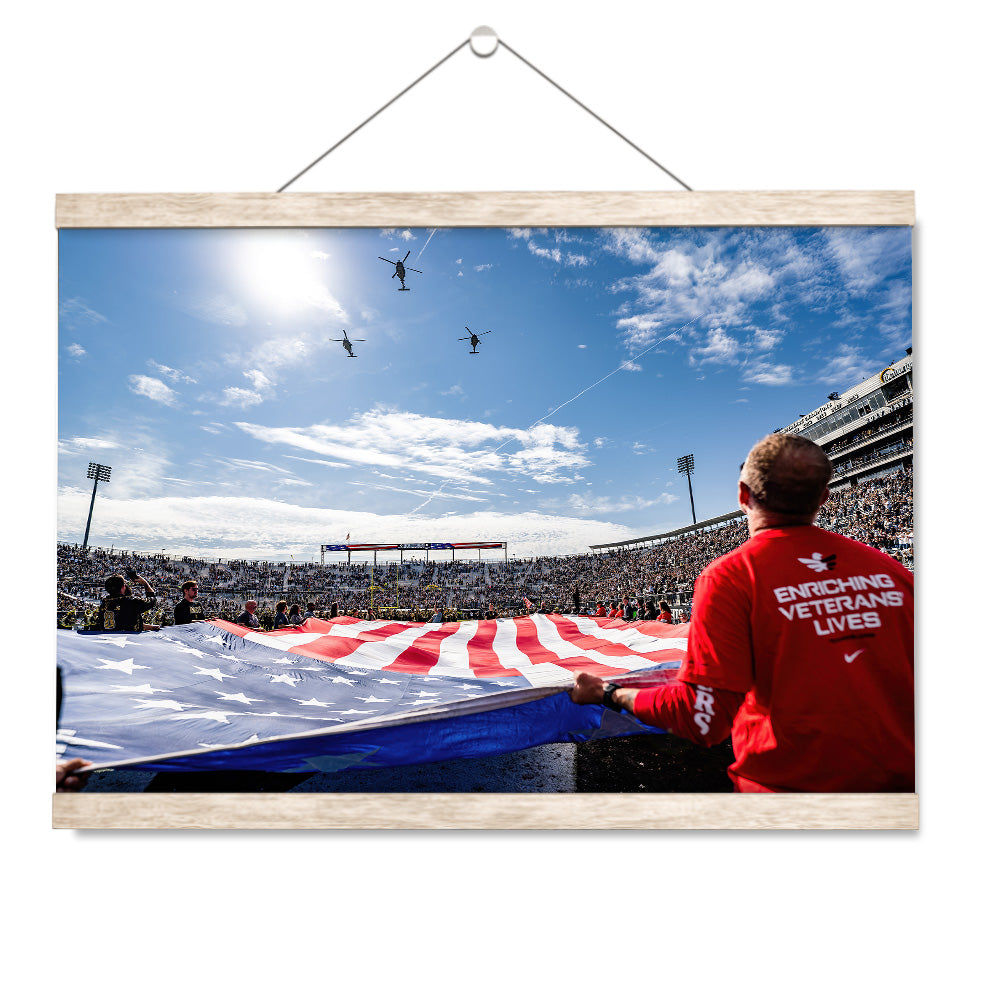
[483,657]
[422,653]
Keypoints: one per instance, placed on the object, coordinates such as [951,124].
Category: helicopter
[474,340]
[401,271]
[347,345]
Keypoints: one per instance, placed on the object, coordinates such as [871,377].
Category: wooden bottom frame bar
[484,811]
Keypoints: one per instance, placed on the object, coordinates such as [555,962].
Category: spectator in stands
[119,611]
[801,646]
[249,617]
[281,614]
[187,608]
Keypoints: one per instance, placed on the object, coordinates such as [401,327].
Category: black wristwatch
[607,700]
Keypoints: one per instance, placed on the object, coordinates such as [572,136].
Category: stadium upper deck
[868,430]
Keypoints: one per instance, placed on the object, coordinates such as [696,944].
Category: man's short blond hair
[787,474]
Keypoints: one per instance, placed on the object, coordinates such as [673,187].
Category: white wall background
[222,96]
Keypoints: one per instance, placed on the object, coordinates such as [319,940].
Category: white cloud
[75,312]
[460,450]
[765,374]
[153,388]
[319,461]
[75,350]
[846,369]
[250,465]
[589,503]
[256,528]
[483,267]
[257,379]
[170,373]
[76,445]
[718,348]
[236,396]
[766,340]
[708,289]
[549,253]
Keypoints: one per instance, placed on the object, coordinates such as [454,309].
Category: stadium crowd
[878,512]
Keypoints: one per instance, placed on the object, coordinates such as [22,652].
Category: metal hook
[483,41]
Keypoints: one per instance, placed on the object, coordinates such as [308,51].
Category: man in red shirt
[800,645]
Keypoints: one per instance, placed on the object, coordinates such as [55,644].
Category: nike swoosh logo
[853,656]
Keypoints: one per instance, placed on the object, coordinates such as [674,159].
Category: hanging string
[500,41]
[526,63]
[370,117]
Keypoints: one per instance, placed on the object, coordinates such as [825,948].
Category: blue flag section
[347,694]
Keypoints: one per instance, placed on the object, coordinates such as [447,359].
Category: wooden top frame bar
[485,209]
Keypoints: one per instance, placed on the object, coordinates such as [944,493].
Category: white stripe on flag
[630,637]
[537,674]
[379,653]
[550,638]
[453,655]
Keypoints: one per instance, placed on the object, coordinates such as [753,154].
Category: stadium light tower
[100,474]
[685,466]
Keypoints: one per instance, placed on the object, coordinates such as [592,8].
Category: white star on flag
[125,666]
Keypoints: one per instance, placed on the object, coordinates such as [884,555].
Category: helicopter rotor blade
[386,259]
[466,338]
[414,270]
[408,252]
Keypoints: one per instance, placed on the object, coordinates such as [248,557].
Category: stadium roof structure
[401,547]
[663,536]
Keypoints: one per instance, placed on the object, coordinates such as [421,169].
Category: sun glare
[286,274]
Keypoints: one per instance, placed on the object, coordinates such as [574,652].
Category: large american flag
[346,694]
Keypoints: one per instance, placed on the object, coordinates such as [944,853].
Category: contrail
[424,247]
[657,343]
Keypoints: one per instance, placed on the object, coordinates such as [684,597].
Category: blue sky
[198,365]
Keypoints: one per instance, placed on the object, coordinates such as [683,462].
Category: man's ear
[745,496]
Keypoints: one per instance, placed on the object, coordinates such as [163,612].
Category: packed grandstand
[868,434]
